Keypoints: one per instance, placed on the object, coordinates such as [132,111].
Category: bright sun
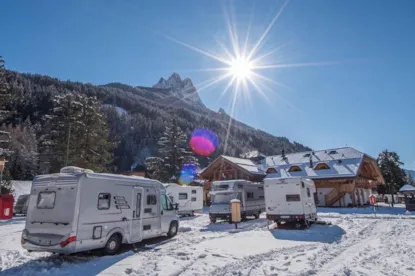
[241,68]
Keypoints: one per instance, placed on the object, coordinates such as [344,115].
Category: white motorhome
[188,198]
[78,210]
[250,194]
[290,200]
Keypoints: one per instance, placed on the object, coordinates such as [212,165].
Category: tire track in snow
[252,262]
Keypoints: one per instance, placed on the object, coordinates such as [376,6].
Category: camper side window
[292,197]
[104,201]
[182,196]
[249,195]
[46,200]
[193,191]
[151,200]
[194,199]
[308,192]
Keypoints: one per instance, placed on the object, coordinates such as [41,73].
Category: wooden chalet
[343,176]
[229,168]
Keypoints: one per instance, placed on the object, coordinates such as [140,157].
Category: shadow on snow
[91,263]
[316,233]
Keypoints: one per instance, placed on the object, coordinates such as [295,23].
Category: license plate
[44,242]
[285,216]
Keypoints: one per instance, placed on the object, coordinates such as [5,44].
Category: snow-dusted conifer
[174,153]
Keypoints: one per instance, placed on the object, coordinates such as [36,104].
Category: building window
[294,169]
[104,201]
[271,170]
[182,196]
[151,200]
[322,166]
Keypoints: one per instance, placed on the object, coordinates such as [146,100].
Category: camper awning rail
[50,222]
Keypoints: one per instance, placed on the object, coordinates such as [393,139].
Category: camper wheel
[257,215]
[213,220]
[173,229]
[113,244]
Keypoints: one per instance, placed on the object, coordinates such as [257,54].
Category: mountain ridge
[148,111]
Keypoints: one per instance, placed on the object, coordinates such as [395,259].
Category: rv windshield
[224,198]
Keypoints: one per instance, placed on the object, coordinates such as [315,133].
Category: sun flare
[241,68]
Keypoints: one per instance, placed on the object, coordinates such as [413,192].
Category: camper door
[136,225]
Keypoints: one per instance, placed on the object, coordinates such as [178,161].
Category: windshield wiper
[50,222]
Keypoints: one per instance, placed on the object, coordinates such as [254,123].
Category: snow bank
[350,246]
[21,188]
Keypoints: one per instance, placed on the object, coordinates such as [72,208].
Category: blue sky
[365,100]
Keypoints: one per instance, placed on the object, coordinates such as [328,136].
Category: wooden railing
[338,192]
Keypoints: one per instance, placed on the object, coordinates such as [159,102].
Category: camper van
[188,198]
[20,208]
[79,210]
[250,194]
[290,200]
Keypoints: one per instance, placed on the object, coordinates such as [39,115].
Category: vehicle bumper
[224,216]
[68,249]
[286,218]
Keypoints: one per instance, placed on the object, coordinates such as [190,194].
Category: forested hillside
[62,122]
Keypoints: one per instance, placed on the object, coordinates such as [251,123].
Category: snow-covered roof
[245,164]
[342,162]
[21,188]
[407,188]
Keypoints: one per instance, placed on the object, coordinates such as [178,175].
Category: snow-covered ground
[357,243]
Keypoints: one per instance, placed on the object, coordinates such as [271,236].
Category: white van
[250,194]
[290,200]
[188,198]
[78,210]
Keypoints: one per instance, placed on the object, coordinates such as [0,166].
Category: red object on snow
[372,200]
[6,206]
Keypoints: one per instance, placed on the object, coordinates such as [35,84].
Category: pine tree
[77,134]
[4,92]
[389,164]
[95,151]
[409,178]
[23,162]
[174,154]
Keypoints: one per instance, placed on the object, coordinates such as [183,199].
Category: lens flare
[187,174]
[203,142]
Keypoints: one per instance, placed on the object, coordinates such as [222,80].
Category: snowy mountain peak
[174,78]
[183,89]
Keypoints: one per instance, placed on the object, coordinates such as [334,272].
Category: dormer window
[294,169]
[333,152]
[322,166]
[271,170]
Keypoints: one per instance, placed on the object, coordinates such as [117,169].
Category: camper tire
[113,244]
[173,229]
[256,216]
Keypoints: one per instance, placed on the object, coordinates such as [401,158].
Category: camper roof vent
[73,169]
